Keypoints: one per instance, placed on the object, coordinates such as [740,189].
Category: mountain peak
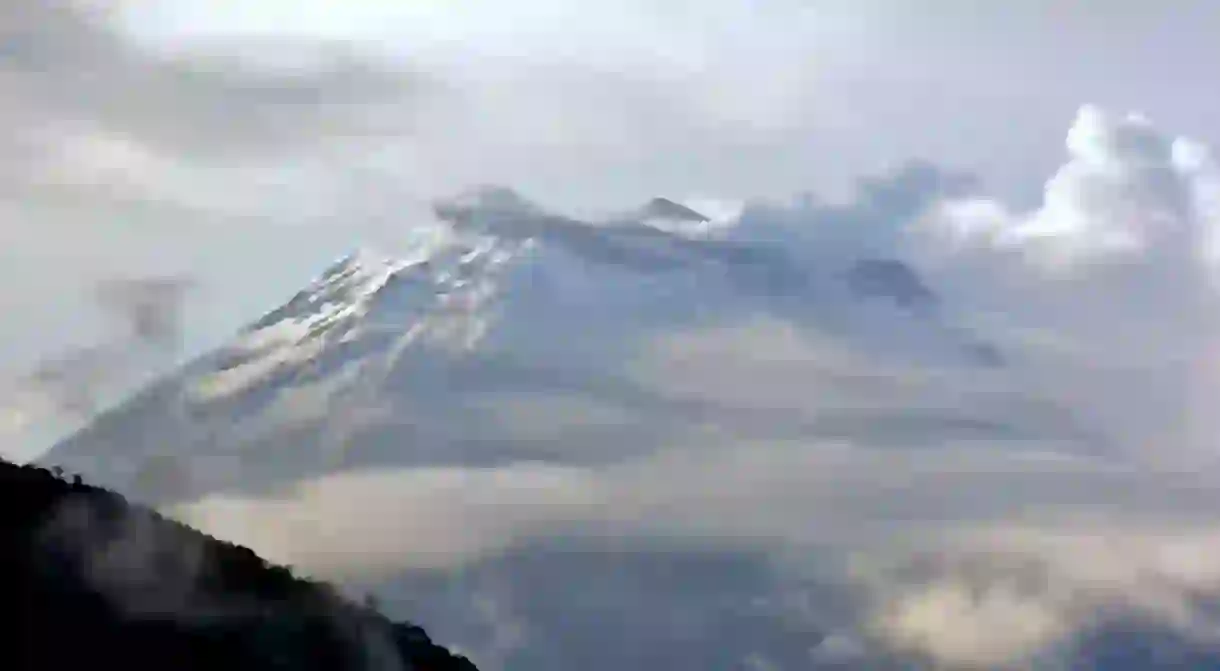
[664,208]
[483,200]
[351,263]
[364,300]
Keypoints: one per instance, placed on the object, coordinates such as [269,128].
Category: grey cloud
[75,385]
[119,161]
[150,309]
[118,558]
[73,382]
[64,64]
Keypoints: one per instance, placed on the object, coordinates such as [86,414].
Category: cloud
[149,308]
[1025,592]
[145,335]
[970,555]
[69,65]
[1108,286]
[235,128]
[970,630]
[118,558]
[602,106]
[254,93]
[1127,190]
[119,161]
[497,504]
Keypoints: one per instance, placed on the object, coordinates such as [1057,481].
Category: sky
[191,137]
[201,160]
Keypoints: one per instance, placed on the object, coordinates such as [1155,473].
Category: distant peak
[663,208]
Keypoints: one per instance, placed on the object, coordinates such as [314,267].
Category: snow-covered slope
[382,360]
[516,342]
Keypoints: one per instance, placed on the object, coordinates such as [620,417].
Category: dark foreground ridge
[89,580]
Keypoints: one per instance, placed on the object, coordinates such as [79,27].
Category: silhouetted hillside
[90,581]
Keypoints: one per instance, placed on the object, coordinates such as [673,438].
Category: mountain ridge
[97,580]
[498,280]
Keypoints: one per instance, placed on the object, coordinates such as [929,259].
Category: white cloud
[313,522]
[1107,288]
[1126,191]
[971,630]
[971,555]
[1020,591]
